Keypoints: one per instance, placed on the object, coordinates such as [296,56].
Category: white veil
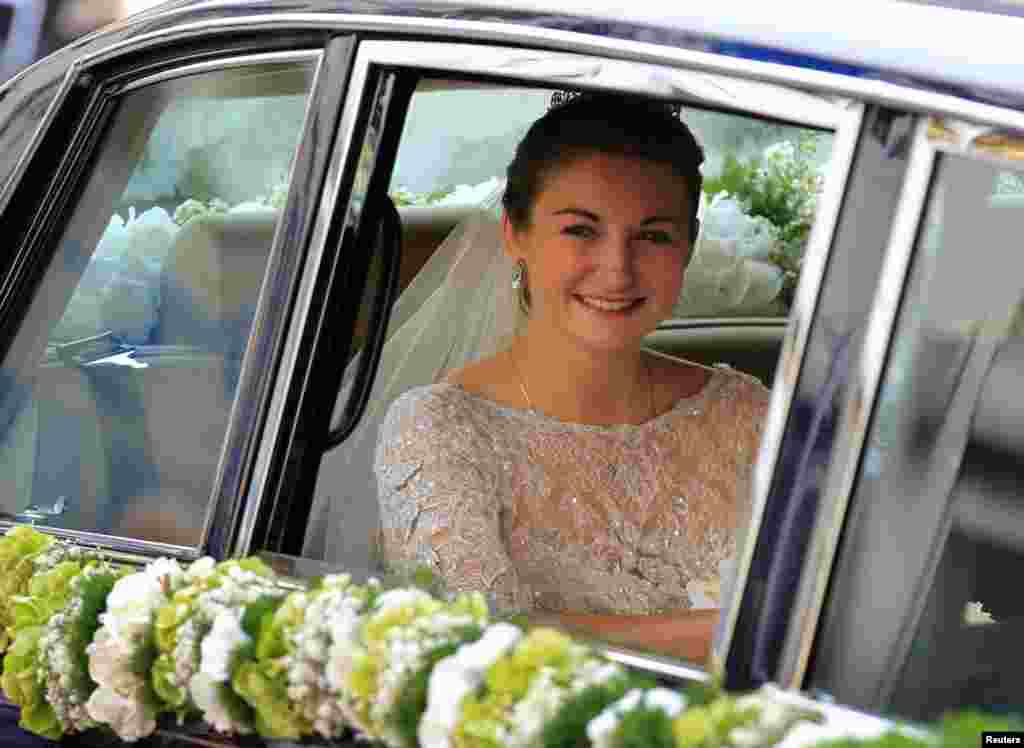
[458,308]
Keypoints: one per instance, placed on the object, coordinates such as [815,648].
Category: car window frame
[556,69]
[933,138]
[90,87]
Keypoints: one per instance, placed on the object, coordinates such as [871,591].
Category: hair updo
[609,124]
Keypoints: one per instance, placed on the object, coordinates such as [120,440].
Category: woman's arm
[687,634]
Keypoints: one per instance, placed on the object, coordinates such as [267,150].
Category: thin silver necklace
[529,402]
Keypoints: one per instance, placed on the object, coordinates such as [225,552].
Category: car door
[159,220]
[903,608]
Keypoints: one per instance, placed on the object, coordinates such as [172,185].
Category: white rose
[151,235]
[110,661]
[458,675]
[201,568]
[134,599]
[400,597]
[218,646]
[206,695]
[127,717]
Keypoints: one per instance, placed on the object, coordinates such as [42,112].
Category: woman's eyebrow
[677,220]
[662,219]
[579,212]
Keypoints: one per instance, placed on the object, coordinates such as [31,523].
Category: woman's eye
[580,230]
[658,237]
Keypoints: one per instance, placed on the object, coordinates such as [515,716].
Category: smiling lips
[609,305]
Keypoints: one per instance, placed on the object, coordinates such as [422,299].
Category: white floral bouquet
[373,670]
[120,290]
[198,633]
[123,651]
[504,690]
[382,680]
[730,272]
[45,669]
[756,225]
[285,678]
[92,644]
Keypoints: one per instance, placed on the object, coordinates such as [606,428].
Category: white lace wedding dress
[548,515]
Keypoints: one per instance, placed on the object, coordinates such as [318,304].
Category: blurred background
[30,29]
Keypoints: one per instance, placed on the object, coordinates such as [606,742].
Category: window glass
[141,320]
[937,516]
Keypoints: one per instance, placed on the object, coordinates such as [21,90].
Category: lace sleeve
[440,502]
[751,409]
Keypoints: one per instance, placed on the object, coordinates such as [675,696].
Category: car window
[143,314]
[457,140]
[761,188]
[921,595]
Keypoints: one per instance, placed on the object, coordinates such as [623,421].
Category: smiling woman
[606,490]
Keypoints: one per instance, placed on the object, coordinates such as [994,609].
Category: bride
[568,472]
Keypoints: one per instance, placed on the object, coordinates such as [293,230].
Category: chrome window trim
[652,663]
[225,63]
[68,82]
[113,545]
[791,357]
[882,92]
[303,299]
[569,69]
[248,513]
[857,408]
[575,70]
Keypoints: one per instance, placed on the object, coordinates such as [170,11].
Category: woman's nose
[617,254]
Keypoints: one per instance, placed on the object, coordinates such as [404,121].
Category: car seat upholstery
[150,438]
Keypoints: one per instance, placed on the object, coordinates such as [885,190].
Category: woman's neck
[577,385]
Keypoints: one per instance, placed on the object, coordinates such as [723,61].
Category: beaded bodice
[558,516]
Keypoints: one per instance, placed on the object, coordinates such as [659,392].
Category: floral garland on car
[88,643]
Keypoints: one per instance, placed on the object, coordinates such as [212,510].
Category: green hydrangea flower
[568,728]
[179,630]
[18,547]
[523,690]
[709,726]
[285,682]
[63,662]
[358,685]
[23,679]
[259,682]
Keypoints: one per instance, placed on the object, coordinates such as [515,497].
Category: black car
[210,208]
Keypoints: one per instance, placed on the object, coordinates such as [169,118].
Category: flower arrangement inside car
[93,645]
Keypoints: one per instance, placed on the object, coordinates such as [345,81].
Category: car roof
[970,53]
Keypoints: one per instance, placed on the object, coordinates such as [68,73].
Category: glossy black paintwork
[176,14]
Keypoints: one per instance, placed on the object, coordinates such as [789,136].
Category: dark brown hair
[601,123]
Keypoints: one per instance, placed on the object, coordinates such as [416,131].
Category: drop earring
[517,275]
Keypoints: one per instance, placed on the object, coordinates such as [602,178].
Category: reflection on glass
[142,318]
[941,465]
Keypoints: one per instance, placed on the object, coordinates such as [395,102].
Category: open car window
[457,138]
[141,320]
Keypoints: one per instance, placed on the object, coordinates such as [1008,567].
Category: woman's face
[605,250]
